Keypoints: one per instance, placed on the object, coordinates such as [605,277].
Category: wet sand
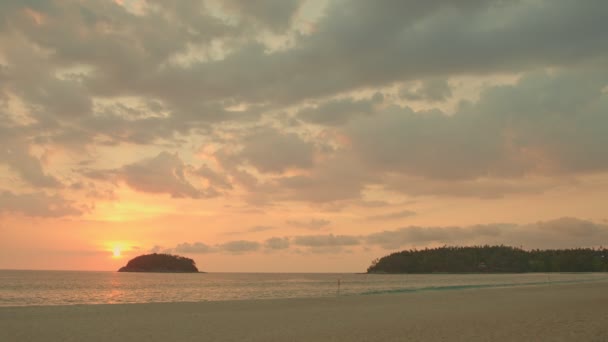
[565,312]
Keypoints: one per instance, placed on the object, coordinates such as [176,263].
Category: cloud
[415,235]
[497,146]
[329,240]
[431,90]
[315,243]
[234,247]
[311,116]
[156,249]
[273,14]
[231,247]
[216,180]
[165,173]
[270,150]
[37,204]
[425,144]
[338,178]
[339,111]
[413,46]
[486,188]
[485,148]
[193,248]
[15,153]
[161,67]
[326,244]
[570,226]
[240,246]
[256,229]
[564,232]
[392,216]
[174,63]
[276,243]
[313,224]
[29,168]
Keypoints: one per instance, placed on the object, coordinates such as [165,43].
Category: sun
[116,252]
[118,249]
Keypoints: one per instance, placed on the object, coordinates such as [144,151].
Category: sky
[298,135]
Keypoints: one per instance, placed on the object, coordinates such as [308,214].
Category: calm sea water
[21,288]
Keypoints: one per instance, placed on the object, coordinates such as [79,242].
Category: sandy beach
[566,312]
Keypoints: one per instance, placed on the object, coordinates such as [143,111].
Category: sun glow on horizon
[116,252]
[119,249]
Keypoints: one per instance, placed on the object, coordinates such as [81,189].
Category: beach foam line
[474,286]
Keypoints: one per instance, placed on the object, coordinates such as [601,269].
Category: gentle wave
[474,286]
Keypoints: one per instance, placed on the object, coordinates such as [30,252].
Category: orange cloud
[36,16]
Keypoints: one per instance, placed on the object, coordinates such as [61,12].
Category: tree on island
[492,259]
[160,263]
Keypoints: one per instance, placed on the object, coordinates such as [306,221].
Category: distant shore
[524,313]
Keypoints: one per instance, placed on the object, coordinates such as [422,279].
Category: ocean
[42,288]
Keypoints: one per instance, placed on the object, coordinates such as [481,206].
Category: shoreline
[537,312]
[441,288]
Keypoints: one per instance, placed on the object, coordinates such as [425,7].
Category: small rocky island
[165,263]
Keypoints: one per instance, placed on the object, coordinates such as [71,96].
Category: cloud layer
[267,120]
[565,232]
[150,73]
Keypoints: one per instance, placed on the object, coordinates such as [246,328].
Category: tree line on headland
[492,259]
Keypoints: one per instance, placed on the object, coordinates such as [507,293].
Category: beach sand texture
[565,312]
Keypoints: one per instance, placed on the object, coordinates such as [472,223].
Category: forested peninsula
[492,259]
[160,263]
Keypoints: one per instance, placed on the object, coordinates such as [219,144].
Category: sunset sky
[298,135]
